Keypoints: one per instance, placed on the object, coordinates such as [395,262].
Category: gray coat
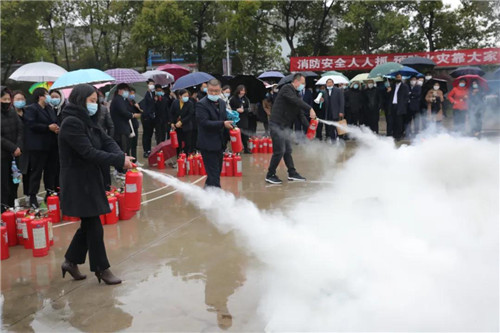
[334,103]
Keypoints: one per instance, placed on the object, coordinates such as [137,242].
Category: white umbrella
[337,79]
[159,77]
[364,77]
[38,72]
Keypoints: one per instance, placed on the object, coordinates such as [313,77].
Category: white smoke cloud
[403,240]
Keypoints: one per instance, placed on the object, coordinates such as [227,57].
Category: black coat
[37,136]
[104,120]
[148,106]
[12,132]
[83,149]
[288,106]
[371,111]
[235,102]
[162,108]
[403,96]
[334,103]
[415,98]
[134,109]
[355,101]
[185,115]
[120,113]
[211,117]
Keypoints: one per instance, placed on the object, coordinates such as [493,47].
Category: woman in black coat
[84,148]
[182,121]
[241,103]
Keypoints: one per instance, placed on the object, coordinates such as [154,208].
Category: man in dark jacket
[398,98]
[12,141]
[162,114]
[211,117]
[41,141]
[307,96]
[334,104]
[372,108]
[354,100]
[148,117]
[413,105]
[287,107]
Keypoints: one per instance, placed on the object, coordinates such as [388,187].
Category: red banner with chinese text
[455,58]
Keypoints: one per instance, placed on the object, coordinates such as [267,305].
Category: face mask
[213,98]
[387,84]
[20,104]
[55,101]
[370,85]
[413,82]
[151,87]
[300,87]
[420,83]
[101,99]
[276,90]
[436,87]
[125,94]
[356,86]
[92,108]
[345,87]
[329,88]
[475,86]
[428,77]
[132,97]
[461,84]
[47,98]
[185,99]
[5,106]
[159,93]
[227,95]
[204,90]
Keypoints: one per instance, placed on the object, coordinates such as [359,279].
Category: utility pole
[228,65]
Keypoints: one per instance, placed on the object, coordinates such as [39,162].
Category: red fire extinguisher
[19,215]
[133,189]
[24,224]
[236,143]
[38,237]
[54,208]
[311,131]
[261,145]
[50,231]
[9,218]
[228,161]
[112,217]
[203,172]
[160,159]
[173,139]
[181,166]
[264,145]
[255,147]
[196,164]
[70,218]
[269,145]
[190,164]
[223,172]
[4,246]
[250,143]
[238,166]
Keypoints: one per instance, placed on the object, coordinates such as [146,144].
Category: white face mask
[370,85]
[151,87]
[420,83]
[413,82]
[428,77]
[436,87]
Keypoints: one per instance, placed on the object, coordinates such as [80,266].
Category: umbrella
[160,77]
[125,75]
[73,78]
[405,71]
[337,79]
[223,79]
[45,85]
[141,88]
[308,74]
[443,85]
[66,92]
[364,77]
[385,69]
[467,70]
[38,72]
[191,80]
[329,73]
[255,88]
[289,77]
[271,74]
[469,78]
[176,70]
[418,61]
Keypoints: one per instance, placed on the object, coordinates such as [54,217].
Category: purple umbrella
[271,74]
[125,75]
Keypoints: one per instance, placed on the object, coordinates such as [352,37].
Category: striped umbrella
[125,75]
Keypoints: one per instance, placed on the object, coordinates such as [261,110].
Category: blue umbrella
[191,80]
[271,74]
[73,78]
[405,71]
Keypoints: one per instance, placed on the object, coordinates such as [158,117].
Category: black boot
[34,202]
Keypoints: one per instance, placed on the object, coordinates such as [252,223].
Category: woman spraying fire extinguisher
[83,147]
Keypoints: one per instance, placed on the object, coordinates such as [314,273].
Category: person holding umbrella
[84,147]
[435,99]
[458,96]
[476,105]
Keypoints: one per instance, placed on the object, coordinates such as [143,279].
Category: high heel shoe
[107,277]
[72,269]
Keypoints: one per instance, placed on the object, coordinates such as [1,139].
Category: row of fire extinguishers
[260,145]
[28,227]
[190,165]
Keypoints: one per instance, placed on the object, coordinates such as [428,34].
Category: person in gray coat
[334,106]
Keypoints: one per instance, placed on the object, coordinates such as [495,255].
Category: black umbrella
[418,61]
[256,90]
[224,80]
[467,70]
[443,85]
[289,78]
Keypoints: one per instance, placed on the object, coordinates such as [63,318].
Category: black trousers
[282,149]
[160,130]
[213,166]
[397,123]
[459,117]
[388,120]
[89,237]
[132,149]
[46,163]
[148,128]
[331,131]
[185,138]
[9,189]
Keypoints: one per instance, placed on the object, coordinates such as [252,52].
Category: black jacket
[83,148]
[355,101]
[148,106]
[211,117]
[104,120]
[133,109]
[37,136]
[12,132]
[162,108]
[185,115]
[415,98]
[403,96]
[334,103]
[235,102]
[120,113]
[372,99]
[288,106]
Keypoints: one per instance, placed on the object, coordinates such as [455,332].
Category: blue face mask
[92,108]
[19,104]
[185,99]
[213,98]
[131,97]
[204,90]
[329,88]
[461,84]
[55,101]
[227,95]
[355,86]
[125,94]
[387,84]
[47,98]
[301,87]
[159,93]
